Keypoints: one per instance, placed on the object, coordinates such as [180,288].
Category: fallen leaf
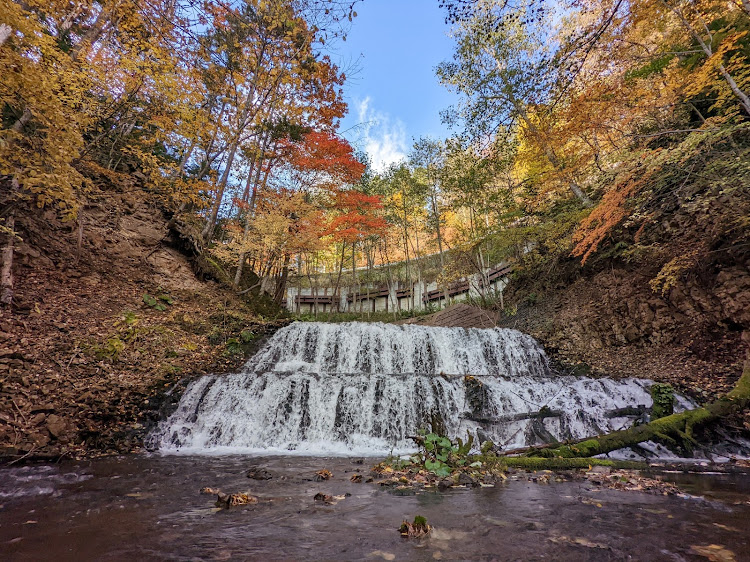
[323,475]
[228,500]
[714,552]
[382,554]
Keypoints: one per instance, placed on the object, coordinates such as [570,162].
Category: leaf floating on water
[577,541]
[357,478]
[325,498]
[589,501]
[727,528]
[714,552]
[210,491]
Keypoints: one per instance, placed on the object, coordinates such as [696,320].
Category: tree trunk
[248,222]
[336,294]
[281,283]
[208,230]
[6,273]
[354,277]
[742,96]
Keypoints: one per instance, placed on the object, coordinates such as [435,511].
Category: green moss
[663,398]
[535,463]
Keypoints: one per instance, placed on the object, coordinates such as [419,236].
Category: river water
[149,507]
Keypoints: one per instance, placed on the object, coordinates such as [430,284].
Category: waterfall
[363,388]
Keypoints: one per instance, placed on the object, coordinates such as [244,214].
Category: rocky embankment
[108,315]
[613,323]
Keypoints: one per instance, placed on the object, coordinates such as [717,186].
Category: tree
[430,155]
[504,69]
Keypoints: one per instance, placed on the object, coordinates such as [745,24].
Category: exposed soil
[85,358]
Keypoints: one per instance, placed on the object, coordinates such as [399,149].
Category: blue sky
[393,94]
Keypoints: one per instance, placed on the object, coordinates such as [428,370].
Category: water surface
[150,508]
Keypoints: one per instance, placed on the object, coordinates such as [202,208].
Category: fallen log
[541,414]
[675,431]
[637,411]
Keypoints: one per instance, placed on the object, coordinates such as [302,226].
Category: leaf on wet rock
[257,473]
[323,475]
[328,499]
[714,553]
[419,528]
[229,500]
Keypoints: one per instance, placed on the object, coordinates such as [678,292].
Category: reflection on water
[150,508]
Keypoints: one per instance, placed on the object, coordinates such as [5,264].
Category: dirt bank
[108,314]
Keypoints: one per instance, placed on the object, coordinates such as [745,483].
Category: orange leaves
[358,218]
[326,153]
[612,209]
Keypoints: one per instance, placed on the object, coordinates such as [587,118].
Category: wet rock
[467,480]
[445,483]
[257,473]
[328,499]
[56,426]
[229,500]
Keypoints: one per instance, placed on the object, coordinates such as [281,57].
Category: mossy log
[538,463]
[676,430]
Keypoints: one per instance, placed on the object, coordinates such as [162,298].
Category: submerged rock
[257,473]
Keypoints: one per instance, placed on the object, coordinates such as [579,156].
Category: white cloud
[383,138]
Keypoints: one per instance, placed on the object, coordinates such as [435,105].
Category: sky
[393,94]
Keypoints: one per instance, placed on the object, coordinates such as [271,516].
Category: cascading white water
[363,388]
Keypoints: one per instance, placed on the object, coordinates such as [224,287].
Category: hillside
[108,315]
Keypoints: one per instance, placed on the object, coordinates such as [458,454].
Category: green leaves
[160,302]
[438,467]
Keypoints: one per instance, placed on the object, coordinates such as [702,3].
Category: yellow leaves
[714,553]
[670,273]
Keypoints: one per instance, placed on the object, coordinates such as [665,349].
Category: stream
[323,396]
[149,507]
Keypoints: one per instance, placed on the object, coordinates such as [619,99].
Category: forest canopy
[579,125]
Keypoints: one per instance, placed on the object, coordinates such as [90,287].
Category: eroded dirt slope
[108,314]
